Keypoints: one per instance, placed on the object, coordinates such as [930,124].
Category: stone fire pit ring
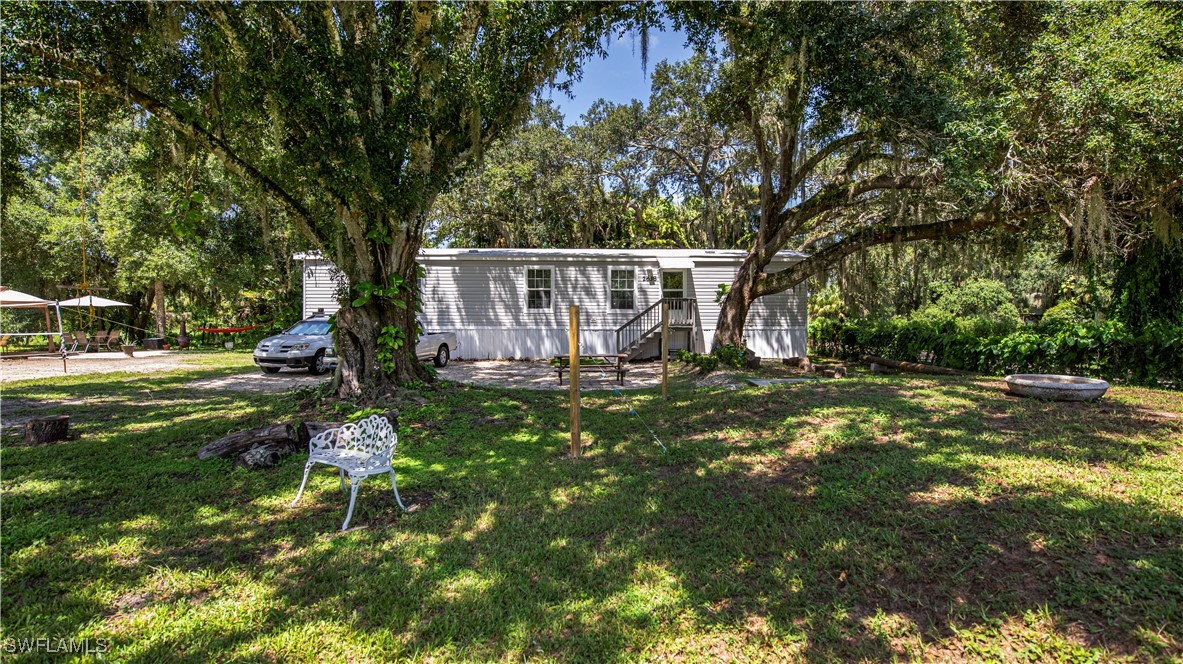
[1059,388]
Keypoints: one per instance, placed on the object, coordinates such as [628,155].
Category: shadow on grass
[856,519]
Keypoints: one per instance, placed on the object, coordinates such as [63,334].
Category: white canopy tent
[92,301]
[14,299]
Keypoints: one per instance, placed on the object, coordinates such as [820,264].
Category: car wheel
[318,363]
[269,370]
[441,356]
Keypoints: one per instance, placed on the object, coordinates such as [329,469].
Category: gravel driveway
[154,361]
[145,361]
[534,375]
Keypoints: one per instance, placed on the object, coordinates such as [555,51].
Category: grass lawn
[875,517]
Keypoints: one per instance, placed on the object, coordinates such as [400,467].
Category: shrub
[1107,349]
[976,298]
[1063,314]
[729,355]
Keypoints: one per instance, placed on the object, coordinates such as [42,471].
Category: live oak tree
[546,185]
[699,155]
[352,115]
[537,187]
[885,123]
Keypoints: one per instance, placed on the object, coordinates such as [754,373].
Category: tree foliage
[157,211]
[353,116]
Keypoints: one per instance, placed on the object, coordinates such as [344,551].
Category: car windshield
[310,327]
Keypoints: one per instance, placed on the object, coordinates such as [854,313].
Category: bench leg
[341,472]
[394,483]
[307,467]
[355,484]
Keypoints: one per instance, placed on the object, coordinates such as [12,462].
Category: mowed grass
[876,518]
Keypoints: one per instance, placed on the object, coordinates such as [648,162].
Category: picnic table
[615,362]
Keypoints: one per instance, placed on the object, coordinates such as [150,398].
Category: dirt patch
[723,379]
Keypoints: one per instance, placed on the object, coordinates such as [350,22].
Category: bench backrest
[373,435]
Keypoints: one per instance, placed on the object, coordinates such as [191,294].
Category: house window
[538,288]
[622,282]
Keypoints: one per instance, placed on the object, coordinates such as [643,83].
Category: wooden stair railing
[641,327]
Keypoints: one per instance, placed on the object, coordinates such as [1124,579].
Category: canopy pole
[61,335]
[48,329]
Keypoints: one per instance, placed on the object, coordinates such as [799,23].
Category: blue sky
[619,78]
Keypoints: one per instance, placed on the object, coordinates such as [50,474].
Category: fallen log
[914,367]
[266,445]
[236,443]
[41,430]
[308,430]
[265,455]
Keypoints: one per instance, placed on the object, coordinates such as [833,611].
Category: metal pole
[665,348]
[573,355]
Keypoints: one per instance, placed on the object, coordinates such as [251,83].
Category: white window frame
[622,268]
[526,289]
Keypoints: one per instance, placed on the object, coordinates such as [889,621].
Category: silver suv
[306,344]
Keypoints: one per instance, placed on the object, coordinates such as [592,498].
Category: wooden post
[573,355]
[665,348]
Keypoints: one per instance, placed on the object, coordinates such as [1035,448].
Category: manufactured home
[513,303]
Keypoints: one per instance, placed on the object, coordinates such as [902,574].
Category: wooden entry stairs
[631,336]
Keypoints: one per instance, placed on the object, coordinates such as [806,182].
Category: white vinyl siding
[482,297]
[321,283]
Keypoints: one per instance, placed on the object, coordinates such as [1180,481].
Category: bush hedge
[1153,356]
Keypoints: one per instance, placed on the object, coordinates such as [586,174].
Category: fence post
[665,348]
[573,356]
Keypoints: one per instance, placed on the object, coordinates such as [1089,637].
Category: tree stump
[41,430]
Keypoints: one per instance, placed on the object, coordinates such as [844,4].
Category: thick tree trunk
[160,308]
[733,311]
[369,368]
[366,368]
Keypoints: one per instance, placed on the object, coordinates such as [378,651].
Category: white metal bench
[358,450]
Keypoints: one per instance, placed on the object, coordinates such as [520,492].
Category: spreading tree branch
[783,280]
[95,80]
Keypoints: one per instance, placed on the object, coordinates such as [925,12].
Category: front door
[673,288]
